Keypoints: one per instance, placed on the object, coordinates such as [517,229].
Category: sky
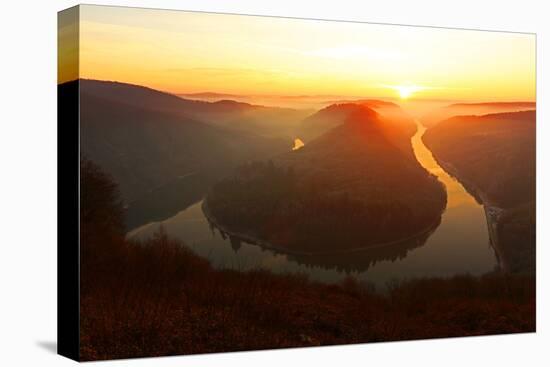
[188,52]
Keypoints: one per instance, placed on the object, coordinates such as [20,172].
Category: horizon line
[298,96]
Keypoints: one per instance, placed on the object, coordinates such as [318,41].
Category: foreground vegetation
[156,298]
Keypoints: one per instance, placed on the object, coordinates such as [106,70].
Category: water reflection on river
[460,244]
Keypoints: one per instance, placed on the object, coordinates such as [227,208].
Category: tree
[101,207]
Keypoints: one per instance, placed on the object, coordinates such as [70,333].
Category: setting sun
[277,56]
[405,91]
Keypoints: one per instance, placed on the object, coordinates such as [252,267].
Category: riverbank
[494,157]
[493,213]
[254,240]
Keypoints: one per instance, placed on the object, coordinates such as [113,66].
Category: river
[459,245]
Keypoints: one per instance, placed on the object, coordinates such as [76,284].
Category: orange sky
[185,52]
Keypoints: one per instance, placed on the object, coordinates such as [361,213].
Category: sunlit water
[459,245]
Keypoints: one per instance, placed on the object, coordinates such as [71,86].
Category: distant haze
[313,102]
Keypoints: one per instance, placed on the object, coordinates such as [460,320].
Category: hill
[494,156]
[161,157]
[400,126]
[483,108]
[352,187]
[227,113]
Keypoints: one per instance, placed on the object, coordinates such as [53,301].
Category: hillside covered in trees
[437,115]
[353,187]
[494,156]
[399,125]
[164,151]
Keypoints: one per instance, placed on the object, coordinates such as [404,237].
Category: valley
[353,156]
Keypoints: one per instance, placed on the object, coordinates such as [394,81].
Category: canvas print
[249,182]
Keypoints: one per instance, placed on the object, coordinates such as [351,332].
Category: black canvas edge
[68,209]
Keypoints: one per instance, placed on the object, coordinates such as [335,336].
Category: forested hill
[262,120]
[468,109]
[351,187]
[495,155]
[150,150]
[399,126]
[495,151]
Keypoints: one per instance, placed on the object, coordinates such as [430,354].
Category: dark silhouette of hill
[149,98]
[269,121]
[400,126]
[351,187]
[496,151]
[494,156]
[482,108]
[162,158]
[325,119]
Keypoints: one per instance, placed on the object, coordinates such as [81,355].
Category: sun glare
[405,91]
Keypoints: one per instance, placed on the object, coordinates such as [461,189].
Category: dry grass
[157,298]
